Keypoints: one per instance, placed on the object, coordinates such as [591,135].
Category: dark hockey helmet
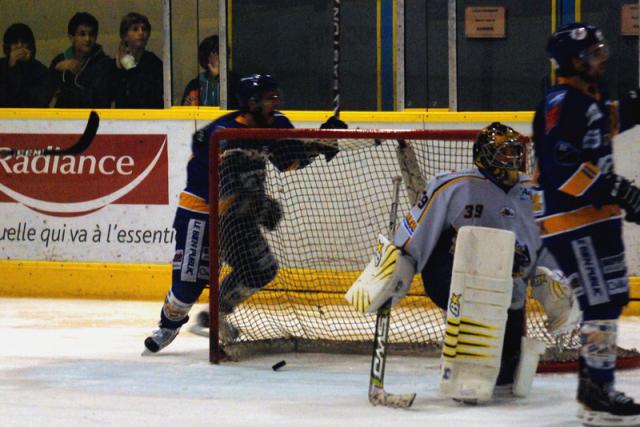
[499,150]
[578,40]
[252,86]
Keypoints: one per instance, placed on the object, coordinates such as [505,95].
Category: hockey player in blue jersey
[579,208]
[245,208]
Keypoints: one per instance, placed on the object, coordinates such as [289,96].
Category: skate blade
[601,419]
[147,352]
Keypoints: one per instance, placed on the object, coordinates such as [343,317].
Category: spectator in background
[138,72]
[82,73]
[205,89]
[24,81]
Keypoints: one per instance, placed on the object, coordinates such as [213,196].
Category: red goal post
[333,212]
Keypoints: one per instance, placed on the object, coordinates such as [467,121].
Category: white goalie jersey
[468,198]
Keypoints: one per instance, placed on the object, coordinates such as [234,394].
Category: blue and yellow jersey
[242,162]
[573,130]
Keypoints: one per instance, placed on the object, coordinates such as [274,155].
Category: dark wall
[504,74]
[293,39]
[426,54]
[622,68]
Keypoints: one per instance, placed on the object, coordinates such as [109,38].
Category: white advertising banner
[116,201]
[113,203]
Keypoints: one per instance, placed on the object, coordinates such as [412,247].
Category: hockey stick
[336,59]
[377,394]
[82,144]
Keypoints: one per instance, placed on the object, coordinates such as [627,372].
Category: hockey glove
[270,214]
[633,101]
[626,195]
[334,123]
[552,290]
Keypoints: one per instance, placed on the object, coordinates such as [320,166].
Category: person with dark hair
[248,211]
[24,81]
[138,76]
[205,89]
[583,201]
[82,73]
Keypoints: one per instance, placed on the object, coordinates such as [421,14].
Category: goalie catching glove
[552,290]
[388,275]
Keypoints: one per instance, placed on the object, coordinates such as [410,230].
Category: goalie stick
[377,393]
[82,144]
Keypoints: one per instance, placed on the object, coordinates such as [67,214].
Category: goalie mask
[499,151]
[580,41]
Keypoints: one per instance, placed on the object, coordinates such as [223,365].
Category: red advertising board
[115,169]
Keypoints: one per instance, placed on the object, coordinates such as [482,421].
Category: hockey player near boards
[494,195]
[245,208]
[579,210]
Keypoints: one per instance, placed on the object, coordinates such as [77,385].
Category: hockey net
[332,214]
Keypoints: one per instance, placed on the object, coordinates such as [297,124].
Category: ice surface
[78,363]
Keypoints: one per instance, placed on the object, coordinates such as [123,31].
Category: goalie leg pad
[388,275]
[529,358]
[480,295]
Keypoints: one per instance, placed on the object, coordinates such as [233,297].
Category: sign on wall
[115,169]
[484,22]
[115,202]
[629,20]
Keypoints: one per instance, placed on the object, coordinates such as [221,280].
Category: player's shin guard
[174,312]
[481,288]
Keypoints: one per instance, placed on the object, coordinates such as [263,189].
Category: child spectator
[205,89]
[24,81]
[82,72]
[138,72]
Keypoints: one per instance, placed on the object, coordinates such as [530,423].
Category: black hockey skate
[602,405]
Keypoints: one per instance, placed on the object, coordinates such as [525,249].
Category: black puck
[278,365]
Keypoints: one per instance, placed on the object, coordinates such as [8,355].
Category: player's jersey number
[473,211]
